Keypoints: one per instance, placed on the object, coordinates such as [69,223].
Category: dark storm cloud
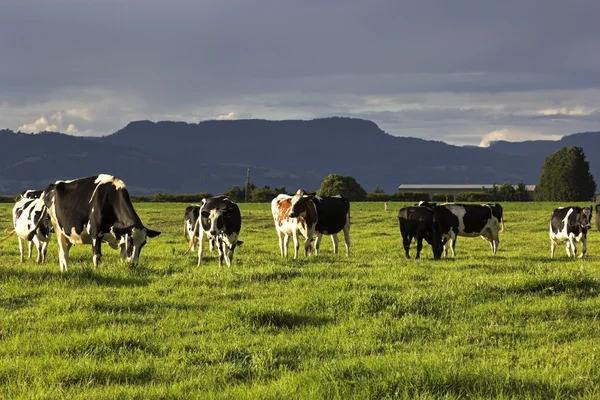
[115,61]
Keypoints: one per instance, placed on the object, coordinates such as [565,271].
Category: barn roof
[459,186]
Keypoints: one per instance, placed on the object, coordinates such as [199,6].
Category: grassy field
[372,325]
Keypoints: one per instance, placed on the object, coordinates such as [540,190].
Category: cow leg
[347,236]
[201,246]
[280,237]
[454,237]
[583,247]
[21,250]
[38,246]
[552,248]
[29,246]
[63,251]
[335,241]
[44,251]
[296,243]
[221,247]
[211,244]
[406,239]
[97,249]
[419,246]
[318,243]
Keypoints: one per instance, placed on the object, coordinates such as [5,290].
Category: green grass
[372,325]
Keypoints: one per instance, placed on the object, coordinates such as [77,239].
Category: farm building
[452,190]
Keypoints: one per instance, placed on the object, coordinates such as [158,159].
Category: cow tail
[185,231]
[10,235]
[31,233]
[193,238]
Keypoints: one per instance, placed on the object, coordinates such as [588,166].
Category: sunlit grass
[372,325]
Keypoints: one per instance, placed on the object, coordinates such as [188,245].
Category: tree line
[565,177]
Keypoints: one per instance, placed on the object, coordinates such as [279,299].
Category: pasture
[372,325]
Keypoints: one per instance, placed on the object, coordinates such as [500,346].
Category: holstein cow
[220,220]
[570,224]
[420,223]
[286,226]
[469,220]
[189,220]
[29,215]
[92,210]
[332,216]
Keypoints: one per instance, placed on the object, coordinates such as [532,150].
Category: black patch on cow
[597,219]
[331,214]
[476,217]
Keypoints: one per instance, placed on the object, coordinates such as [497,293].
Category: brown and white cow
[286,226]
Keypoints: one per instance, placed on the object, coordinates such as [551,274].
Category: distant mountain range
[177,157]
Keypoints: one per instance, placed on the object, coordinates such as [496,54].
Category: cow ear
[150,233]
[205,214]
[203,201]
[239,243]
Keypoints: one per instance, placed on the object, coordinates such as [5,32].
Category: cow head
[214,222]
[300,203]
[133,239]
[586,218]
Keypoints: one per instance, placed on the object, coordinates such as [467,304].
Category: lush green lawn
[372,325]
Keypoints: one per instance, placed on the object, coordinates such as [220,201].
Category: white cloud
[39,125]
[72,129]
[231,115]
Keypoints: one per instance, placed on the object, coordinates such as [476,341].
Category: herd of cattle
[98,209]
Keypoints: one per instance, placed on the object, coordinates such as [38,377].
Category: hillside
[214,155]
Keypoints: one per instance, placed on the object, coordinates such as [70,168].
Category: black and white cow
[26,217]
[190,217]
[469,220]
[219,220]
[328,215]
[570,224]
[92,210]
[420,223]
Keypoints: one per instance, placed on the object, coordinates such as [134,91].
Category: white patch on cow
[105,178]
[64,181]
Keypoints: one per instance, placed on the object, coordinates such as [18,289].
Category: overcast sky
[464,72]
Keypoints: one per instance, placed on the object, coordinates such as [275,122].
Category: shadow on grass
[577,287]
[18,301]
[278,319]
[86,276]
[274,275]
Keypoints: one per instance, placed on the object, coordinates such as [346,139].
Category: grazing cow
[469,220]
[570,224]
[332,216]
[220,220]
[190,217]
[92,210]
[29,215]
[286,226]
[420,223]
[597,219]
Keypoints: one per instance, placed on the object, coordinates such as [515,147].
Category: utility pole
[247,186]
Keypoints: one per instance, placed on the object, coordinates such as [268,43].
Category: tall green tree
[347,186]
[566,177]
